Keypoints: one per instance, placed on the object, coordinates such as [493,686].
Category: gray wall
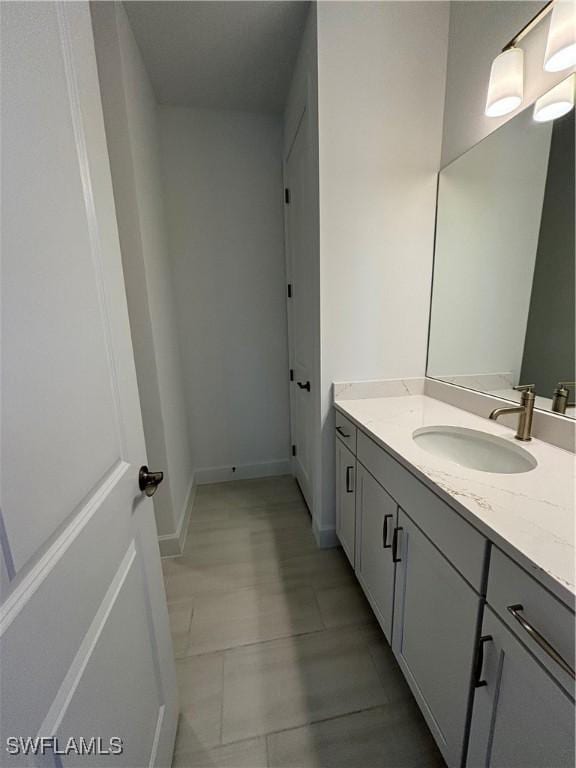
[550,337]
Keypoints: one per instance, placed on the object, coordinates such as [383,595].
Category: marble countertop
[530,516]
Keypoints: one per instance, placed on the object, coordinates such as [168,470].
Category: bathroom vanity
[460,529]
[470,573]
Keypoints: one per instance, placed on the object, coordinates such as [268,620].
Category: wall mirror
[503,296]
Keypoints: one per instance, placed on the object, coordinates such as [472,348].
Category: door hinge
[291,374]
[293,450]
[287,196]
[289,290]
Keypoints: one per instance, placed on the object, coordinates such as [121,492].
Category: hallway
[280,662]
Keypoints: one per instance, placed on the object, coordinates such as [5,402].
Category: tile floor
[280,662]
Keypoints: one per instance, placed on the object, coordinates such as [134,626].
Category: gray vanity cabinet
[376,514]
[487,651]
[345,499]
[436,617]
[522,718]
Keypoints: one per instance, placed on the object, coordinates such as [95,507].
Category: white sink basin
[475,450]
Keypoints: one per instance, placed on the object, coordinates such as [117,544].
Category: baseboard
[172,545]
[326,538]
[242,472]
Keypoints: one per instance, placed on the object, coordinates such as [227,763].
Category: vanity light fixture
[506,86]
[561,43]
[558,101]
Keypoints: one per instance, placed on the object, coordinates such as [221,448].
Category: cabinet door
[376,513]
[521,718]
[434,638]
[346,499]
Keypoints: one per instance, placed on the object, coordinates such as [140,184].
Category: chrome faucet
[525,409]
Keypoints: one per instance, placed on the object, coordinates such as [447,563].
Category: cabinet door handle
[349,475]
[385,544]
[303,385]
[341,432]
[480,662]
[548,649]
[395,558]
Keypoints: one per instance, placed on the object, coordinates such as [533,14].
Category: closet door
[302,308]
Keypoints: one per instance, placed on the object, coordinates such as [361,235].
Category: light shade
[561,44]
[506,87]
[557,102]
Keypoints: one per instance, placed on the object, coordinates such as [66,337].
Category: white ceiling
[220,55]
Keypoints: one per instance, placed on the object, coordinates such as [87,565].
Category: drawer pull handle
[480,662]
[349,486]
[385,531]
[341,432]
[540,640]
[395,558]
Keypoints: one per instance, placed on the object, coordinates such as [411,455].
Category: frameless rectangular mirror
[503,297]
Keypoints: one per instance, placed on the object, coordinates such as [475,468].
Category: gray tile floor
[280,662]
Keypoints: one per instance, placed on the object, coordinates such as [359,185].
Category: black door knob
[304,386]
[149,481]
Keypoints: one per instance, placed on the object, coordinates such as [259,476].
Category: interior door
[301,303]
[85,647]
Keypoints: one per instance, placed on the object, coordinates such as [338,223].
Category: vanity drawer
[346,431]
[458,541]
[510,585]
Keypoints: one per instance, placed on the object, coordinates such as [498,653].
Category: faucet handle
[566,384]
[524,388]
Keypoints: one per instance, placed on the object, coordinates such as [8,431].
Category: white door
[85,647]
[301,304]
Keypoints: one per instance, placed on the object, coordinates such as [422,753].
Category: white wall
[478,31]
[381,73]
[489,210]
[131,131]
[223,191]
